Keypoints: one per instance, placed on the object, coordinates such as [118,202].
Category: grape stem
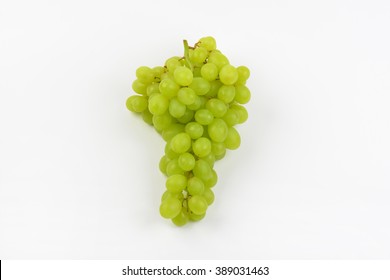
[187,56]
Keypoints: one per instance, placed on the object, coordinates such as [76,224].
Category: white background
[79,173]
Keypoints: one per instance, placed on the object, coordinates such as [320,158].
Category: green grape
[172,63]
[183,76]
[188,115]
[214,88]
[243,95]
[210,159]
[199,55]
[197,204]
[168,194]
[202,169]
[176,183]
[217,107]
[158,71]
[218,59]
[201,147]
[208,43]
[152,88]
[196,218]
[208,195]
[186,96]
[194,130]
[196,105]
[158,104]
[228,75]
[209,71]
[195,186]
[243,74]
[204,116]
[180,143]
[226,93]
[196,72]
[181,219]
[163,164]
[174,168]
[231,117]
[218,130]
[241,112]
[211,181]
[145,74]
[168,88]
[169,152]
[161,122]
[200,86]
[170,208]
[139,87]
[233,139]
[176,108]
[147,117]
[137,103]
[218,149]
[221,156]
[186,161]
[171,131]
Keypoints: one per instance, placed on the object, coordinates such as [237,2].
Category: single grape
[172,63]
[176,183]
[137,103]
[194,130]
[226,93]
[231,117]
[168,88]
[195,218]
[208,195]
[145,74]
[218,130]
[187,96]
[195,186]
[183,76]
[218,149]
[243,74]
[228,75]
[218,59]
[180,143]
[210,159]
[139,87]
[199,55]
[170,207]
[168,194]
[181,219]
[187,117]
[233,139]
[211,180]
[197,204]
[163,121]
[196,105]
[217,107]
[169,152]
[201,147]
[241,112]
[186,161]
[208,43]
[243,94]
[158,71]
[152,88]
[200,86]
[173,168]
[147,117]
[209,71]
[158,104]
[214,88]
[202,169]
[176,108]
[171,131]
[163,164]
[204,116]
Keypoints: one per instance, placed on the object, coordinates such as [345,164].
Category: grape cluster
[194,102]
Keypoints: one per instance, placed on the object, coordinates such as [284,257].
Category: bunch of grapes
[194,102]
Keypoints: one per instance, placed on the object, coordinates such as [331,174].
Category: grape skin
[194,102]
